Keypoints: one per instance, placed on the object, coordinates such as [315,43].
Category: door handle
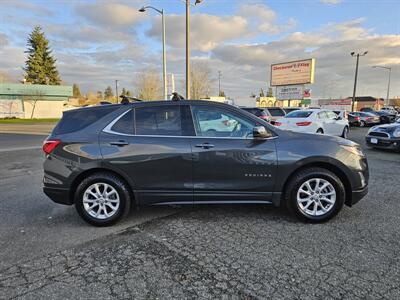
[205,146]
[119,143]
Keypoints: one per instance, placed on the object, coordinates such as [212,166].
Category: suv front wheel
[315,195]
[102,199]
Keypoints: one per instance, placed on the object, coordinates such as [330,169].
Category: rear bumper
[358,195]
[58,195]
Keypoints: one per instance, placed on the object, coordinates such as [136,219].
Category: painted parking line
[20,148]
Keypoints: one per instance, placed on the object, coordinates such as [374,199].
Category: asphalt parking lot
[228,252]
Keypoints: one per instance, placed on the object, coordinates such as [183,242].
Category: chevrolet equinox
[105,159]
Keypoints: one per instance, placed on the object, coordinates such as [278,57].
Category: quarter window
[158,120]
[124,124]
[215,122]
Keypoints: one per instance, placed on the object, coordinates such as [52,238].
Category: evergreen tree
[108,93]
[123,93]
[76,92]
[40,67]
[128,93]
[99,95]
[222,94]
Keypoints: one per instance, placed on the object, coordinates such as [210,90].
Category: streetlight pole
[161,12]
[188,46]
[219,83]
[116,89]
[355,77]
[388,88]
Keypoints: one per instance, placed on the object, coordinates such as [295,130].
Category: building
[272,101]
[346,104]
[33,100]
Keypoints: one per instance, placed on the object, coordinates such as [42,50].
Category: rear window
[299,114]
[276,112]
[81,118]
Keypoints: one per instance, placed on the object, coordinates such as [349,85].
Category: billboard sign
[290,92]
[292,73]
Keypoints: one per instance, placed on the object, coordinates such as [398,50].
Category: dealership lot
[190,252]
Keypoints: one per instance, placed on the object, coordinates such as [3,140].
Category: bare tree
[148,85]
[32,99]
[201,80]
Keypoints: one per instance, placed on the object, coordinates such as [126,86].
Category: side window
[322,115]
[217,122]
[124,124]
[158,120]
[331,115]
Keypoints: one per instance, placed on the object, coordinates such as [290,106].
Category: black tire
[301,177]
[345,132]
[363,124]
[122,190]
[320,131]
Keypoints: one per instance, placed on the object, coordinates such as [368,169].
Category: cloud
[110,14]
[207,31]
[331,2]
[3,40]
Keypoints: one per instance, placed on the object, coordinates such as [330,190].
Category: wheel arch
[89,172]
[330,166]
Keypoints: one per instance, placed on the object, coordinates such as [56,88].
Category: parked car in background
[290,109]
[390,109]
[385,117]
[258,112]
[314,121]
[108,158]
[384,136]
[366,118]
[367,109]
[354,120]
[275,113]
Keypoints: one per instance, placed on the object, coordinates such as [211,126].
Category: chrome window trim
[107,129]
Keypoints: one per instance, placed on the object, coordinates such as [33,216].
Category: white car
[314,121]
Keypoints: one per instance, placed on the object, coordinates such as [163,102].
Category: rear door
[147,144]
[228,164]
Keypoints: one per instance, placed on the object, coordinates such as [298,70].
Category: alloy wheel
[101,201]
[316,197]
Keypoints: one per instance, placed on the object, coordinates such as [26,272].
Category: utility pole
[219,83]
[355,77]
[116,90]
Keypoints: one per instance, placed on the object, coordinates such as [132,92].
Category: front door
[153,154]
[228,164]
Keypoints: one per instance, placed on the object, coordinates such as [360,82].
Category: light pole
[161,12]
[388,88]
[355,77]
[188,46]
[219,83]
[116,89]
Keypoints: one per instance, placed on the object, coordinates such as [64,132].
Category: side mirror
[260,132]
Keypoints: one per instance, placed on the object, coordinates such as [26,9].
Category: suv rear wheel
[102,199]
[315,195]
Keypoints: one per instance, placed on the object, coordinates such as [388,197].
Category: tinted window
[331,115]
[216,122]
[288,110]
[81,118]
[158,120]
[299,114]
[124,124]
[276,112]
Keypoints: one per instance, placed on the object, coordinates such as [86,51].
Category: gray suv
[105,159]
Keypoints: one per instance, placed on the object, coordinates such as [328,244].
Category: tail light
[370,118]
[277,123]
[357,118]
[303,123]
[50,145]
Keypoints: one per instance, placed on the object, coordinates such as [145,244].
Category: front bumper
[58,195]
[358,195]
[384,143]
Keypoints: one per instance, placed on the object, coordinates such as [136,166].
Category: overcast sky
[96,42]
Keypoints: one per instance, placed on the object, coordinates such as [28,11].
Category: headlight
[396,133]
[354,150]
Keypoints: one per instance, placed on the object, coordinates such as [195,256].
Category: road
[242,252]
